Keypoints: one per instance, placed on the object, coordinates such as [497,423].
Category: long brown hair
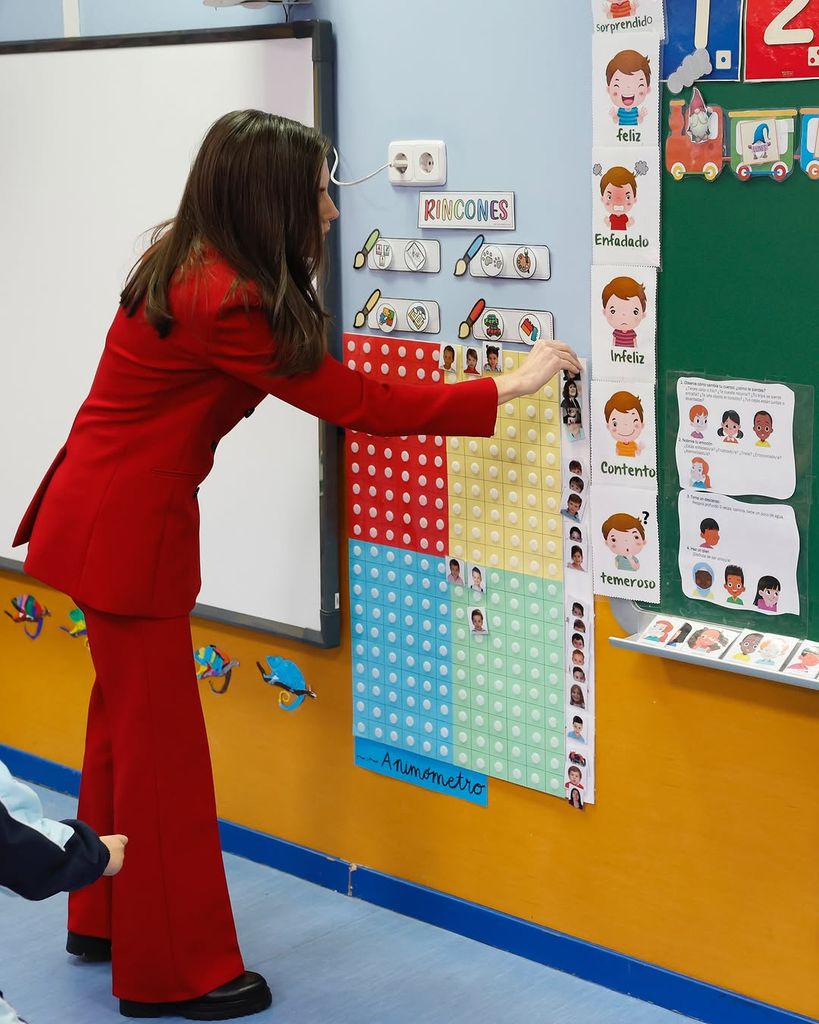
[252,194]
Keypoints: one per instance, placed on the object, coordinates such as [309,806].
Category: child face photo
[477,622]
[477,579]
[492,357]
[573,506]
[576,697]
[576,558]
[579,626]
[578,642]
[576,535]
[471,366]
[455,572]
[448,359]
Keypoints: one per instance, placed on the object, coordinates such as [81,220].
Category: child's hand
[116,847]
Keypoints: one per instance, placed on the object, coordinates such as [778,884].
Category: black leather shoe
[89,948]
[241,997]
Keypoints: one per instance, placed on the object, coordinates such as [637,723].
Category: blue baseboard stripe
[596,964]
[36,769]
[308,864]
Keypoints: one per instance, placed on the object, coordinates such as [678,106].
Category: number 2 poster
[781,40]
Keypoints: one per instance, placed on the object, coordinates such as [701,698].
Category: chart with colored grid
[456,582]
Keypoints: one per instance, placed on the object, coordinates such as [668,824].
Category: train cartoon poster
[624,322]
[614,17]
[626,205]
[625,546]
[624,446]
[626,90]
[739,556]
[695,28]
[736,437]
[781,40]
[704,138]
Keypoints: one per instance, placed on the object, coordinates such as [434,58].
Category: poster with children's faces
[758,649]
[736,437]
[686,636]
[624,322]
[625,549]
[804,663]
[626,205]
[614,17]
[625,89]
[574,410]
[740,556]
[624,447]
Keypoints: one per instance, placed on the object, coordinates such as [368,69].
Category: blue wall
[24,19]
[509,93]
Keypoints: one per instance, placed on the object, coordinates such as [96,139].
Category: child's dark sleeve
[40,857]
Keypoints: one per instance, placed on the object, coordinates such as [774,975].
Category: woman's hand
[545,360]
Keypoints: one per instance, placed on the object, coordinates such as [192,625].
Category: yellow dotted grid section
[504,491]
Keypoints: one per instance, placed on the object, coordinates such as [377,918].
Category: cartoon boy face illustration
[618,191]
[734,583]
[708,640]
[748,644]
[625,537]
[624,419]
[624,307]
[628,80]
[698,418]
[763,428]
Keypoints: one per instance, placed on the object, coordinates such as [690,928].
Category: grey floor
[329,960]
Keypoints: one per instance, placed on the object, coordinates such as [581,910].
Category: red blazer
[115,522]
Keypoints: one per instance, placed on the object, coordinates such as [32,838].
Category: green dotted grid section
[508,685]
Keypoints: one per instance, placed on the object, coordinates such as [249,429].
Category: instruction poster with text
[738,555]
[736,437]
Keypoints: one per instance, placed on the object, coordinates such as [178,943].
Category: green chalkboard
[738,297]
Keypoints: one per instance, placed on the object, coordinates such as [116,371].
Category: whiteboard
[97,140]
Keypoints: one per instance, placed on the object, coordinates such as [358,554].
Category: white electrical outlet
[417,162]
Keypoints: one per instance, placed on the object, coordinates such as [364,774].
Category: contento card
[624,447]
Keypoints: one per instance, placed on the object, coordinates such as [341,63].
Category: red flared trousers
[147,774]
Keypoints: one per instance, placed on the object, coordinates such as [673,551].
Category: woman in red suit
[219,312]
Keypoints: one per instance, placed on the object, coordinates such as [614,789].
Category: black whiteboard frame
[324,114]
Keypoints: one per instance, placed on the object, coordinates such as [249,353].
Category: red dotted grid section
[396,486]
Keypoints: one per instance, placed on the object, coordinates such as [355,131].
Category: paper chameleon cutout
[78,627]
[27,609]
[211,663]
[286,675]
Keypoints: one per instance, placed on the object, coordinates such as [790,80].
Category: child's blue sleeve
[40,857]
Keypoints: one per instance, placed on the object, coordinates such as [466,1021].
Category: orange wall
[700,855]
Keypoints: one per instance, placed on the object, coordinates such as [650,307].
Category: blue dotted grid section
[402,663]
[423,681]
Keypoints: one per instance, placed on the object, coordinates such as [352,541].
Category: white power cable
[357,181]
